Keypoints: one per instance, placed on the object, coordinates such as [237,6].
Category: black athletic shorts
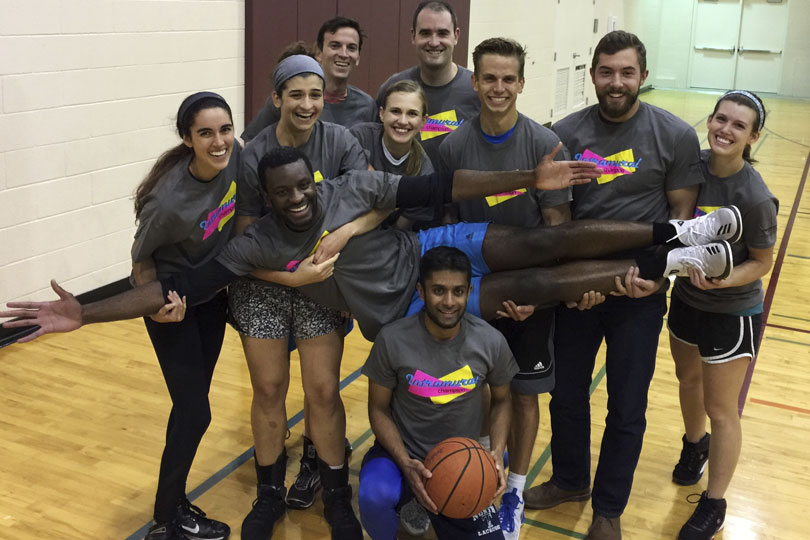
[532,345]
[720,337]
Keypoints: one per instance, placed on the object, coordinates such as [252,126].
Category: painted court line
[780,406]
[790,328]
[239,461]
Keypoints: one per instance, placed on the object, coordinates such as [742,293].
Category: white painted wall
[88,94]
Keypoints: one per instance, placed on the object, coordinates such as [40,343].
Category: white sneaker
[722,224]
[510,514]
[714,260]
[414,518]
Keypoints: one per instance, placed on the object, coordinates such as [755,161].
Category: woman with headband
[268,315]
[714,325]
[184,208]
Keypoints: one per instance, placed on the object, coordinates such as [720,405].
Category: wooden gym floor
[82,416]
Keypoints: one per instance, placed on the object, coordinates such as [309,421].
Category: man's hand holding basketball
[416,473]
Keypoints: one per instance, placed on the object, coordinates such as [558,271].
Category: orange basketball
[464,477]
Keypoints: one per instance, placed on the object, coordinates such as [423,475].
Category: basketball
[464,477]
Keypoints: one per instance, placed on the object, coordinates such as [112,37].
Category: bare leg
[566,282]
[512,248]
[320,371]
[523,431]
[269,365]
[721,388]
[689,370]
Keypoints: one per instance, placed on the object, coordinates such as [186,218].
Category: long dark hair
[416,152]
[170,158]
[753,102]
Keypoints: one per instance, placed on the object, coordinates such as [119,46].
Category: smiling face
[498,83]
[341,52]
[300,102]
[290,191]
[211,140]
[434,38]
[731,128]
[617,79]
[445,293]
[402,117]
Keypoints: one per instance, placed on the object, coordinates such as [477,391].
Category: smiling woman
[184,208]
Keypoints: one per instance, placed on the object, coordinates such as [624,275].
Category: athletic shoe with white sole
[713,260]
[690,466]
[164,531]
[510,514]
[195,526]
[722,224]
[706,521]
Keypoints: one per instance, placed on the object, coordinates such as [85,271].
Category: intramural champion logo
[493,200]
[618,164]
[292,266]
[440,124]
[703,210]
[218,217]
[444,389]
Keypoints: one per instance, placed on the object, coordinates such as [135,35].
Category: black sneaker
[302,493]
[268,508]
[338,511]
[195,526]
[693,460]
[706,520]
[164,531]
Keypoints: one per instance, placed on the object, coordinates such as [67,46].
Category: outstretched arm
[66,314]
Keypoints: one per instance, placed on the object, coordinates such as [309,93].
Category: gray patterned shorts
[274,312]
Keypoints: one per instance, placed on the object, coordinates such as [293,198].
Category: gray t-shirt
[437,384]
[449,106]
[369,134]
[331,149]
[185,222]
[376,273]
[466,148]
[748,192]
[642,158]
[357,107]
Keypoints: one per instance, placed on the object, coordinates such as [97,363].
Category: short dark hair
[295,48]
[502,47]
[619,40]
[278,157]
[434,5]
[336,23]
[444,258]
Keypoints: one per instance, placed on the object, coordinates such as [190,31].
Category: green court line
[544,457]
[805,319]
[552,528]
[798,256]
[759,144]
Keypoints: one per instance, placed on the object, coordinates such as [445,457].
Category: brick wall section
[88,94]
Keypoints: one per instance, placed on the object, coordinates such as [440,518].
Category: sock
[309,453]
[516,481]
[274,474]
[333,476]
[483,440]
[663,233]
[653,265]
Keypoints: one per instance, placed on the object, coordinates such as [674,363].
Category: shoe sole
[300,505]
[738,219]
[572,498]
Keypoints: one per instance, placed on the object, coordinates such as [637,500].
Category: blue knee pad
[379,494]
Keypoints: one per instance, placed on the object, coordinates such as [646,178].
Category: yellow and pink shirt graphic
[444,389]
[218,217]
[613,166]
[440,124]
[703,210]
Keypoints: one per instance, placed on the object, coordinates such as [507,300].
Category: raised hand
[550,174]
[63,315]
[514,311]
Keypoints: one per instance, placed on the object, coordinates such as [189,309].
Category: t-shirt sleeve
[378,366]
[267,115]
[155,229]
[239,253]
[249,200]
[759,225]
[504,366]
[354,158]
[685,168]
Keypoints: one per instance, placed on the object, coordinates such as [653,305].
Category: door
[572,50]
[715,35]
[762,39]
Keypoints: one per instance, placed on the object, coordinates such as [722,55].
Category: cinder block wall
[88,94]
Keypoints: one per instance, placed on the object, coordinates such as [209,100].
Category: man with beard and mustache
[650,162]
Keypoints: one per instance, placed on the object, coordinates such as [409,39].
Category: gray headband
[752,99]
[194,98]
[291,66]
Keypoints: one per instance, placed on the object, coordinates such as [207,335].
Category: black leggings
[187,352]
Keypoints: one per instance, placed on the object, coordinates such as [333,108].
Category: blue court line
[798,256]
[239,461]
[769,338]
[792,317]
